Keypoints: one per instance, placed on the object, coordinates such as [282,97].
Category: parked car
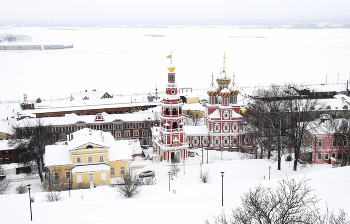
[147,173]
[191,154]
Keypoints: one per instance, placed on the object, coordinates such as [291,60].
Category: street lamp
[222,195]
[184,167]
[69,186]
[269,171]
[30,202]
[169,180]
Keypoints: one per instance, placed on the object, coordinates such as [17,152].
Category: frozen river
[125,60]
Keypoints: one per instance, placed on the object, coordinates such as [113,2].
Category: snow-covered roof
[136,147]
[87,136]
[90,95]
[196,130]
[193,107]
[73,119]
[47,107]
[120,150]
[4,145]
[215,114]
[57,155]
[90,168]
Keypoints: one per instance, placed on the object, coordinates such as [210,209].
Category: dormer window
[99,117]
[226,115]
[89,147]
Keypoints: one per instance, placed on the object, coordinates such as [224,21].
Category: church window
[217,128]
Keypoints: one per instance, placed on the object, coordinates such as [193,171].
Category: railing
[173,130]
[171,116]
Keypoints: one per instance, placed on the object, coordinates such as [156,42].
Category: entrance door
[91,180]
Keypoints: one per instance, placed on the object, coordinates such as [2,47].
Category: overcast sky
[172,12]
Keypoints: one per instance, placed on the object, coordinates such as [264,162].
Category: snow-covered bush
[21,189]
[290,202]
[4,186]
[128,185]
[174,169]
[149,181]
[204,177]
[53,196]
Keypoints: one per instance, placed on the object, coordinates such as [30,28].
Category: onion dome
[222,79]
[212,91]
[234,90]
[225,93]
[171,67]
[243,110]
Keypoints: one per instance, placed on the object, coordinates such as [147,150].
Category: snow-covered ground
[188,201]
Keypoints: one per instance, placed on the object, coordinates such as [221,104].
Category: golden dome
[243,111]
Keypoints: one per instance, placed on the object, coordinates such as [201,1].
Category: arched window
[167,111]
[89,147]
[174,111]
[175,125]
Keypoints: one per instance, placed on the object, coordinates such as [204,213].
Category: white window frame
[122,170]
[326,156]
[320,142]
[126,133]
[68,176]
[217,127]
[235,141]
[112,172]
[118,134]
[226,128]
[226,141]
[136,133]
[226,115]
[78,159]
[101,159]
[319,156]
[217,141]
[89,159]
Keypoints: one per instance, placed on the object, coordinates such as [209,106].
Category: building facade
[224,124]
[87,158]
[169,142]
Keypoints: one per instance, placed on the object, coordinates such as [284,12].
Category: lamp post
[69,186]
[222,190]
[169,180]
[30,202]
[184,166]
[269,171]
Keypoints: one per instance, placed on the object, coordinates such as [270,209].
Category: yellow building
[88,157]
[5,136]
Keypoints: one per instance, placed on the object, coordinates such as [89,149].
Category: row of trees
[279,118]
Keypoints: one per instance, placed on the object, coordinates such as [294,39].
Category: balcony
[173,130]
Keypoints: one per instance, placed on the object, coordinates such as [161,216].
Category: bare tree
[128,185]
[266,115]
[341,133]
[29,140]
[291,202]
[193,118]
[300,112]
